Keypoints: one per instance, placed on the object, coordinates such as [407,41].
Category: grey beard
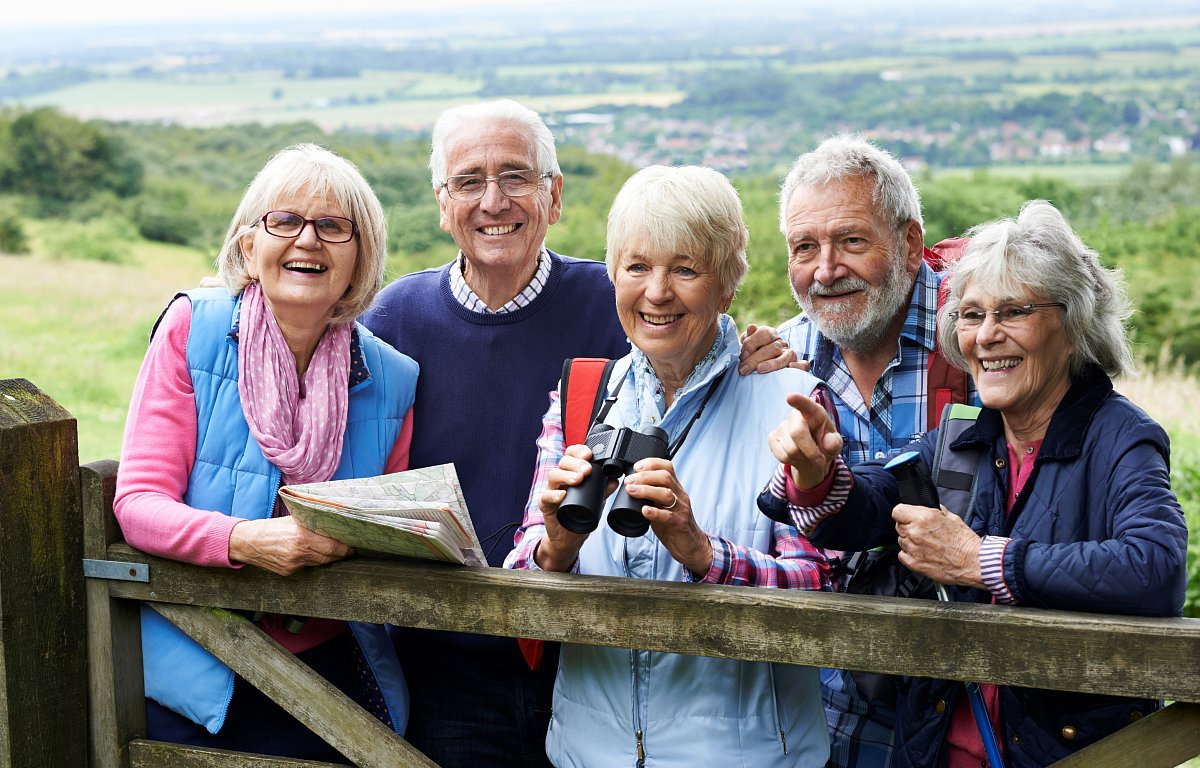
[863,332]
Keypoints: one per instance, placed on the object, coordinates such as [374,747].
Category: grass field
[78,330]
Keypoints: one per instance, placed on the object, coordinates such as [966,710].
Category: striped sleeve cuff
[991,565]
[809,507]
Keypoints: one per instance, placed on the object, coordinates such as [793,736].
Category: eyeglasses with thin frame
[1010,315]
[331,229]
[472,186]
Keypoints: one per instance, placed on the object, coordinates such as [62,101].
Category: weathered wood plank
[1165,739]
[117,710]
[1155,658]
[158,754]
[288,681]
[42,671]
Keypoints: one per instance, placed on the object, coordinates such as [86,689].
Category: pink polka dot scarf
[301,436]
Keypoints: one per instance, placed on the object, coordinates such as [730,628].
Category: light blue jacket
[693,710]
[231,475]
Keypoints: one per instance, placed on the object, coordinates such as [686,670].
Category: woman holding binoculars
[696,461]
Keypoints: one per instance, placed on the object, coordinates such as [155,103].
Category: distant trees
[108,184]
[60,160]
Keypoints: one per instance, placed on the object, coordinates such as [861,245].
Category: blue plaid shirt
[860,731]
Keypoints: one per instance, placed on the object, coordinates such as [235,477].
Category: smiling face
[1021,370]
[302,277]
[668,305]
[498,233]
[847,270]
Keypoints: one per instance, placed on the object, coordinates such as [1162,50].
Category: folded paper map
[419,513]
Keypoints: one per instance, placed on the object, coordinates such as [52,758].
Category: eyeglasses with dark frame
[472,186]
[331,229]
[1009,316]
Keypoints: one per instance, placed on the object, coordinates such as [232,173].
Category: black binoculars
[614,452]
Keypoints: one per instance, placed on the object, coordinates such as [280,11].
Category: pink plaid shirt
[791,563]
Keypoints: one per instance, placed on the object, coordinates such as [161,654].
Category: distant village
[741,144]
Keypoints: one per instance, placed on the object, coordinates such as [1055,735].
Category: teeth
[997,365]
[305,266]
[501,230]
[660,319]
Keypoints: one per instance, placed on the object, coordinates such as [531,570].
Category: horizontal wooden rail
[1150,658]
[158,754]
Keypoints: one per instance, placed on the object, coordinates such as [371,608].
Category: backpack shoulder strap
[581,393]
[955,473]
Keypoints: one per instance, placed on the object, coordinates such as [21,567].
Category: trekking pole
[917,488]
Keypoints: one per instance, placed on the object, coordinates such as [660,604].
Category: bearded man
[855,237]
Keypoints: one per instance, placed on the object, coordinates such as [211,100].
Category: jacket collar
[1068,425]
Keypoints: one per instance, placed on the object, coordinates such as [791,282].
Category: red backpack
[946,384]
[580,394]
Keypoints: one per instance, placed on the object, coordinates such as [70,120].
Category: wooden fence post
[43,683]
[116,699]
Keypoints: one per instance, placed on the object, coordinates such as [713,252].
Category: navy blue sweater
[485,378]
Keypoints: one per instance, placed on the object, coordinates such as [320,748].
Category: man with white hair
[859,270]
[490,331]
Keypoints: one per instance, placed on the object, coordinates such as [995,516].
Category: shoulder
[413,282]
[209,312]
[581,269]
[206,295]
[174,324]
[774,387]
[392,360]
[1119,422]
[800,333]
[404,300]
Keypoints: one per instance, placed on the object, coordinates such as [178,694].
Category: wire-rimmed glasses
[472,186]
[1010,315]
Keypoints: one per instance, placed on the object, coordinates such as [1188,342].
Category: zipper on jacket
[778,713]
[634,677]
[637,715]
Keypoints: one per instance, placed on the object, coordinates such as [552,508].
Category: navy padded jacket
[1096,528]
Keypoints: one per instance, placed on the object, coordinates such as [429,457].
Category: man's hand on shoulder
[764,350]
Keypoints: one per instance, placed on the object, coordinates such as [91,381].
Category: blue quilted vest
[231,476]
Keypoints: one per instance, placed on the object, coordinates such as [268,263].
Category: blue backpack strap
[956,473]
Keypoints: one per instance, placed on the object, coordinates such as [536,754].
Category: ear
[555,199]
[443,202]
[914,245]
[246,245]
[727,303]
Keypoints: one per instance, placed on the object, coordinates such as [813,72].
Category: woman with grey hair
[267,381]
[676,255]
[1072,506]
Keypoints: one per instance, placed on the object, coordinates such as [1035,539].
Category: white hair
[686,209]
[1039,252]
[851,156]
[504,111]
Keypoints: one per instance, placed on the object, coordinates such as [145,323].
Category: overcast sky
[81,13]
[91,12]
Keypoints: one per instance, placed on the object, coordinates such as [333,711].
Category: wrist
[548,558]
[701,562]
